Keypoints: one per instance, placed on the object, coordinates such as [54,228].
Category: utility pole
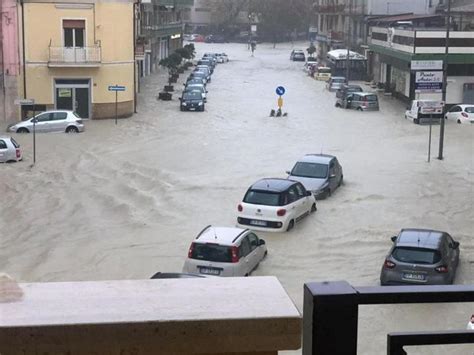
[445,82]
[348,43]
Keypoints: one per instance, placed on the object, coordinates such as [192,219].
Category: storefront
[73,95]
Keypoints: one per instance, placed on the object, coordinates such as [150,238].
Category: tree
[172,63]
[311,50]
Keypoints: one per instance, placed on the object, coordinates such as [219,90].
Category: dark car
[319,173]
[421,257]
[215,39]
[191,101]
[206,72]
[207,62]
[198,75]
[347,88]
[297,55]
[193,81]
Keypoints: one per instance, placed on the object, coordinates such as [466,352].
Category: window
[416,255]
[44,117]
[292,195]
[244,248]
[3,145]
[456,109]
[74,33]
[253,241]
[262,198]
[59,116]
[470,109]
[15,143]
[300,190]
[212,252]
[310,170]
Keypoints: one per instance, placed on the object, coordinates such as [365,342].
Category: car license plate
[258,223]
[416,277]
[192,108]
[209,271]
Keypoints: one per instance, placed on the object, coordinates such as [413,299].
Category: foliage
[191,50]
[311,50]
[172,63]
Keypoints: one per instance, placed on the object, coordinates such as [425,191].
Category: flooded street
[125,201]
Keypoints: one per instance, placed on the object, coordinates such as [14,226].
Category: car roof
[465,105]
[336,77]
[364,93]
[273,184]
[351,86]
[220,235]
[5,137]
[317,158]
[298,50]
[422,238]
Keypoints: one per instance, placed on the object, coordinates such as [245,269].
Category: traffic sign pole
[34,135]
[116,99]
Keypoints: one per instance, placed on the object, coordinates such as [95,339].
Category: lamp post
[445,82]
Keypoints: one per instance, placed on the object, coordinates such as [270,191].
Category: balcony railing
[74,56]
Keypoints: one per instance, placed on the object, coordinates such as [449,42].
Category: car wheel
[202,108]
[72,129]
[416,120]
[338,105]
[359,109]
[340,181]
[313,208]
[459,121]
[328,192]
[22,130]
[290,225]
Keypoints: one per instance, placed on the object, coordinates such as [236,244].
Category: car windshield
[199,88]
[370,98]
[338,80]
[310,170]
[14,142]
[212,252]
[354,89]
[416,255]
[324,70]
[76,114]
[266,198]
[192,95]
[469,109]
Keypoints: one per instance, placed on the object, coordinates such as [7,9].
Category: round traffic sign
[280,90]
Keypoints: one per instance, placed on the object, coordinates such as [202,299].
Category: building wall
[108,25]
[390,7]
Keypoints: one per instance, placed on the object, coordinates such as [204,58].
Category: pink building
[9,60]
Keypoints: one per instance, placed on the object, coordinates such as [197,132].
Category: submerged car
[360,101]
[335,83]
[461,113]
[197,88]
[51,121]
[275,205]
[319,173]
[9,150]
[191,101]
[421,257]
[322,73]
[223,251]
[297,55]
[347,89]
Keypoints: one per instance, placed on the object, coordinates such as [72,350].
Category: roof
[273,184]
[424,238]
[221,235]
[462,8]
[317,158]
[342,54]
[401,17]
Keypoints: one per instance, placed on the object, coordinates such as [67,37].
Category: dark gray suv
[422,257]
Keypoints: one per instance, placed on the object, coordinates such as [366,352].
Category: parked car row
[194,97]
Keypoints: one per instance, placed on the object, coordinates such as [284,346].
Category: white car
[275,205]
[470,325]
[9,150]
[461,113]
[51,121]
[223,251]
[222,58]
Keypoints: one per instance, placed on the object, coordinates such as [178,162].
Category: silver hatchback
[51,121]
[9,150]
[421,257]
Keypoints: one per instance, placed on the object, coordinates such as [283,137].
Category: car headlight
[185,104]
[200,103]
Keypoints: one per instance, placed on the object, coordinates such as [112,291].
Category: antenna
[215,235]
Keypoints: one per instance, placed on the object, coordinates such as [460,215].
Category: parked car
[275,205]
[211,57]
[207,62]
[205,74]
[470,324]
[198,75]
[9,150]
[346,89]
[215,39]
[222,251]
[322,73]
[190,37]
[335,83]
[51,121]
[206,69]
[222,57]
[191,101]
[297,55]
[461,113]
[308,67]
[199,38]
[319,173]
[198,81]
[175,275]
[421,256]
[197,88]
[424,111]
[360,101]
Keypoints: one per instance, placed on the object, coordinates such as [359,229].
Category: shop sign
[176,36]
[426,65]
[64,92]
[429,81]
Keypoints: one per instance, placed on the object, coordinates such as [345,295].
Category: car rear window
[310,170]
[416,255]
[212,252]
[266,198]
[354,89]
[15,144]
[470,109]
[370,98]
[338,80]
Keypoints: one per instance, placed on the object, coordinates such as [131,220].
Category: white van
[421,111]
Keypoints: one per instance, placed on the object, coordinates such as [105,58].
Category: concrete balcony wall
[251,315]
[83,56]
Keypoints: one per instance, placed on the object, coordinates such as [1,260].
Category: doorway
[73,95]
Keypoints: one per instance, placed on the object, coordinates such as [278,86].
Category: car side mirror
[207,91]
[288,172]
[394,238]
[454,245]
[308,193]
[332,176]
[261,242]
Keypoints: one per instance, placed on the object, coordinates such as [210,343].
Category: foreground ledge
[167,316]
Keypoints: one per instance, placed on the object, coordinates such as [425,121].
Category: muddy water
[125,201]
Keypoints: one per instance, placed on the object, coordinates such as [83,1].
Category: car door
[59,121]
[245,258]
[454,252]
[256,253]
[304,205]
[293,206]
[3,151]
[333,178]
[454,112]
[43,122]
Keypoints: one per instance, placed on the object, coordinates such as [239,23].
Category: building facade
[9,60]
[74,50]
[159,31]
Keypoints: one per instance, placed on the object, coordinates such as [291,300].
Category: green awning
[176,2]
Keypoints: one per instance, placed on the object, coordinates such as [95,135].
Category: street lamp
[445,81]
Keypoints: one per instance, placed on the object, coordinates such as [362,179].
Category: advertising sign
[431,106]
[429,81]
[426,65]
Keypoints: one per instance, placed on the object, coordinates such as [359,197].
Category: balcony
[60,57]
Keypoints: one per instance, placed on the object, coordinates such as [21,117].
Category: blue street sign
[280,90]
[116,88]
